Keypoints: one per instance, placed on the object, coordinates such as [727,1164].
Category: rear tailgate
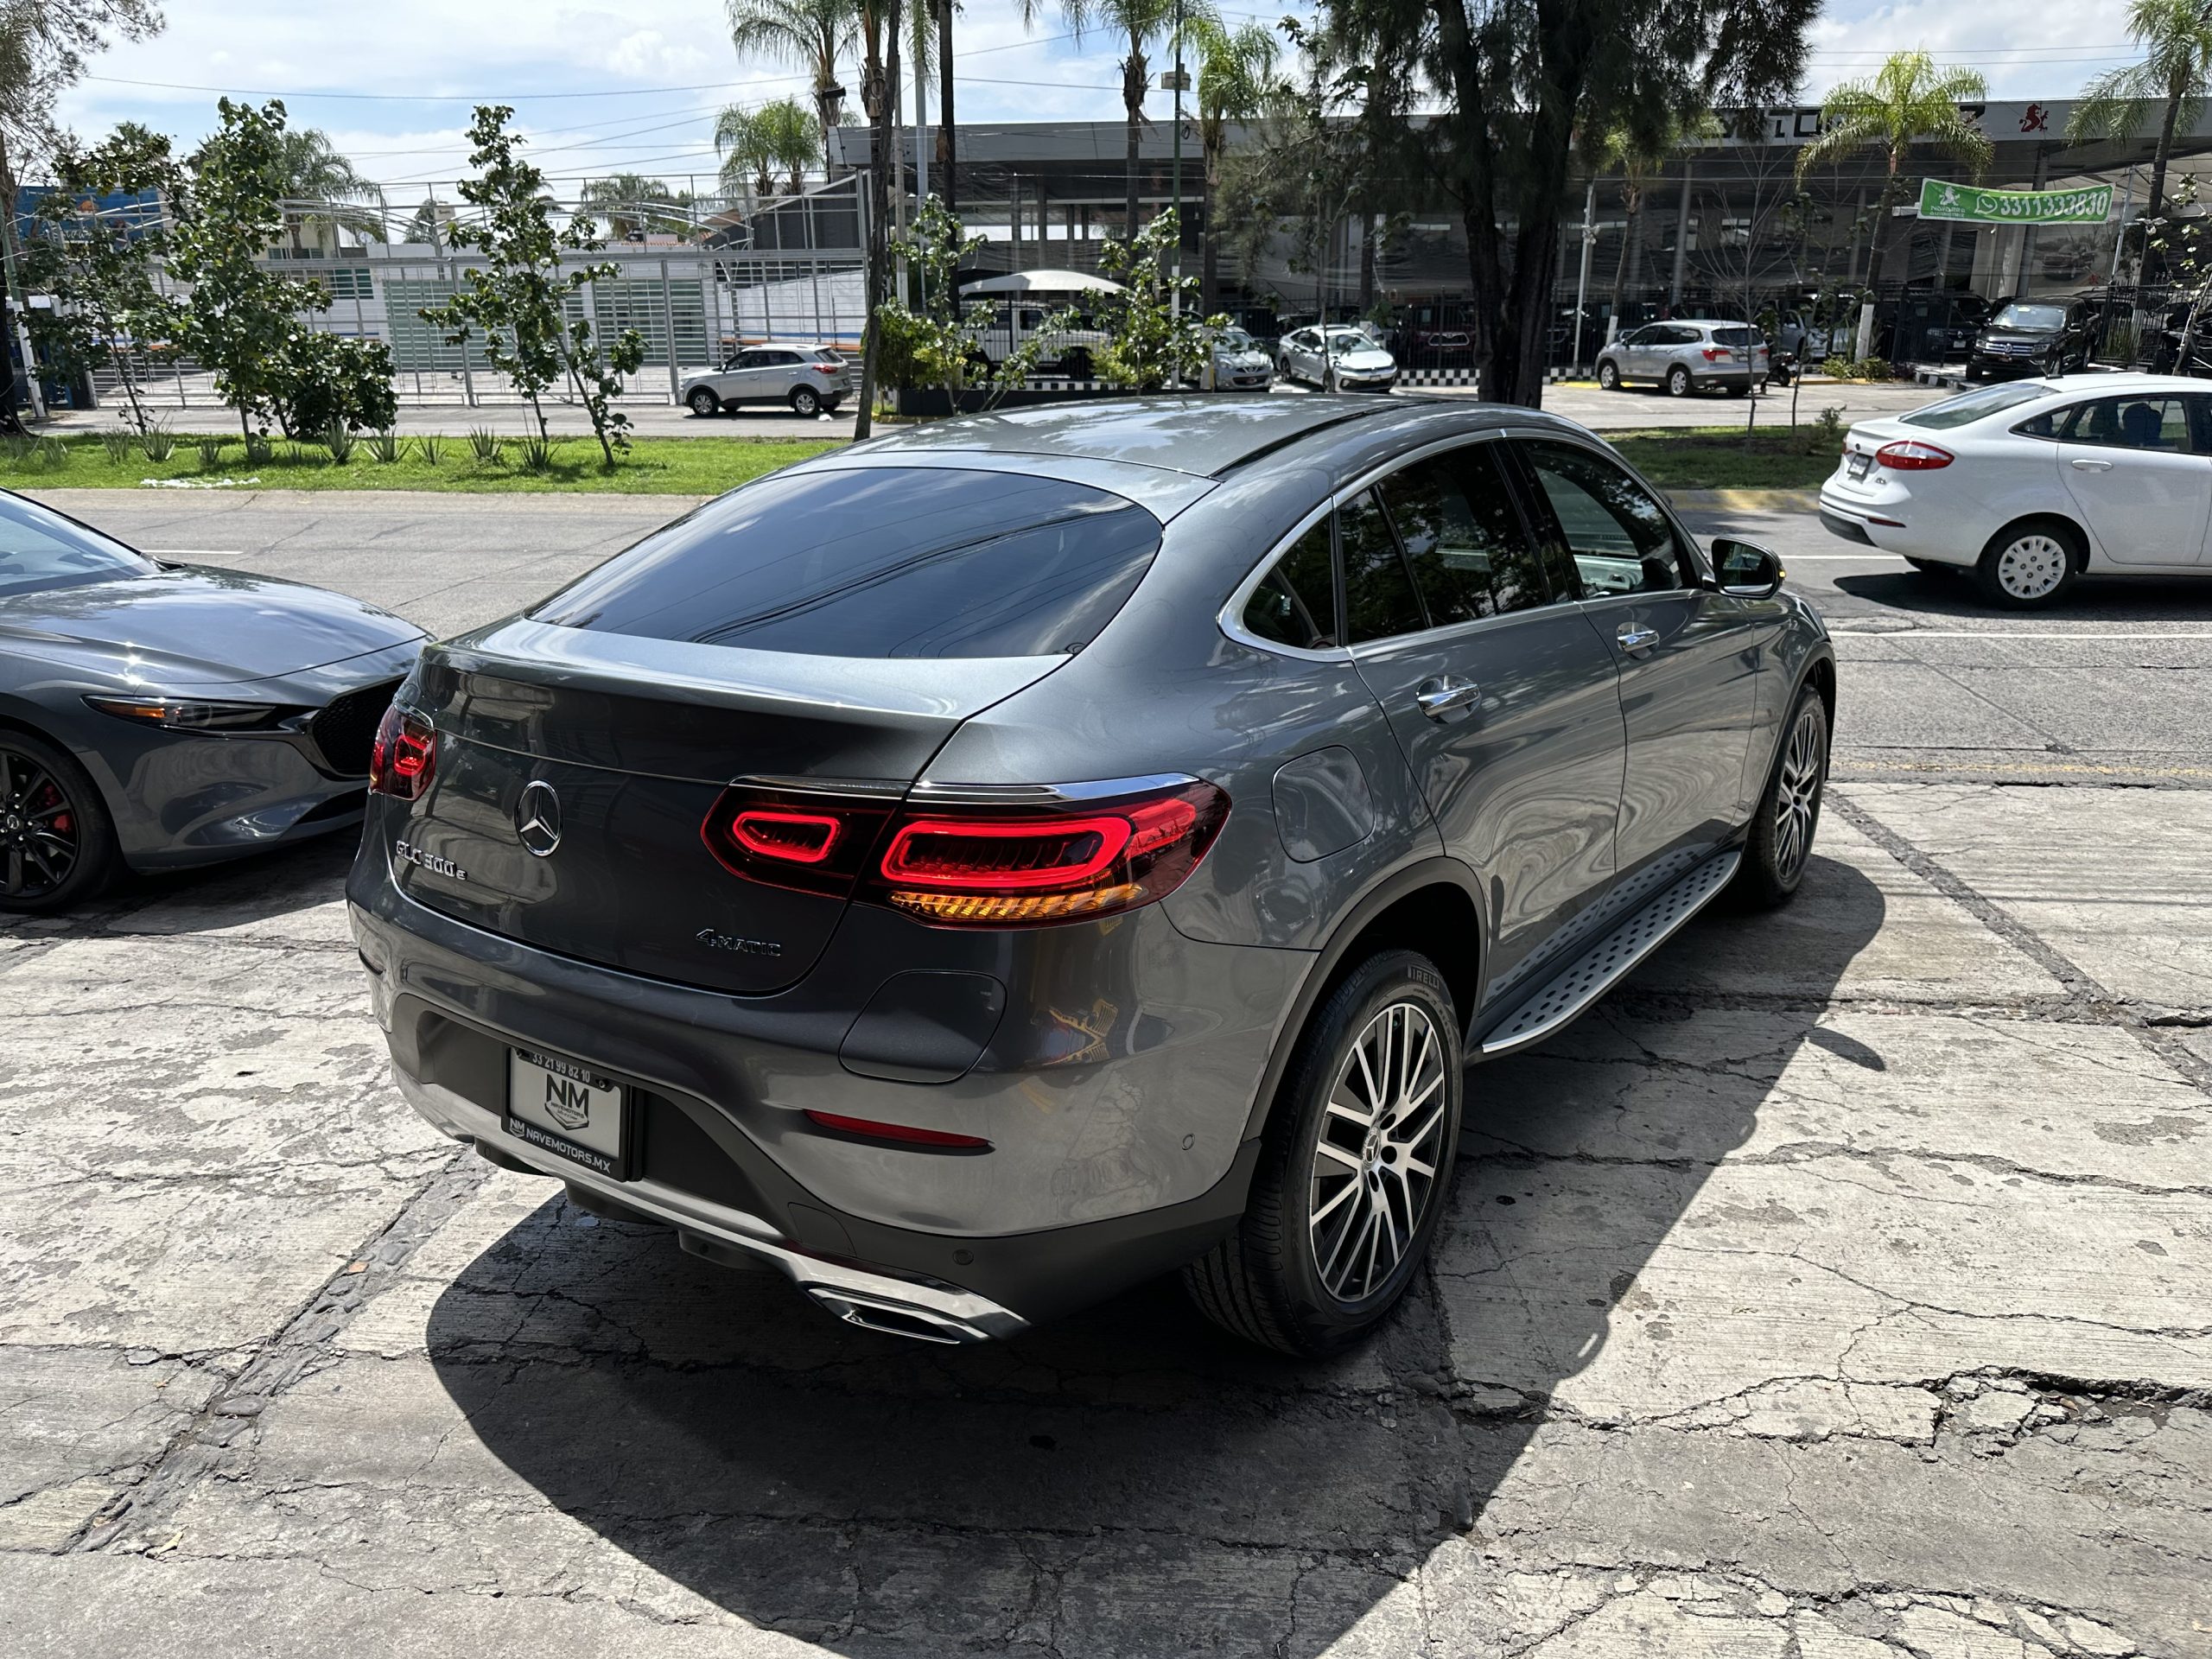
[635,738]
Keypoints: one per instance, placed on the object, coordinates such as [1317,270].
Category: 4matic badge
[743,946]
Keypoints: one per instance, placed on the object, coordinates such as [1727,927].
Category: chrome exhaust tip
[893,1318]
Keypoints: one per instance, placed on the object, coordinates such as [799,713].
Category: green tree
[1638,160]
[808,35]
[756,145]
[99,265]
[1159,337]
[633,205]
[1907,101]
[1512,82]
[1234,69]
[322,189]
[1141,24]
[516,298]
[2170,80]
[939,341]
[239,315]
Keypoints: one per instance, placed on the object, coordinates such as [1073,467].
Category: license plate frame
[569,1114]
[1858,466]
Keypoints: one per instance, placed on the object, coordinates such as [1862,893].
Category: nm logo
[566,1102]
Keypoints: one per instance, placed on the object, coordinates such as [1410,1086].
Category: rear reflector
[905,1135]
[404,755]
[1912,455]
[987,866]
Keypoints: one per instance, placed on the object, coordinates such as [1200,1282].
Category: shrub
[537,453]
[430,446]
[485,442]
[52,453]
[260,452]
[338,438]
[118,443]
[324,381]
[158,442]
[211,452]
[386,446]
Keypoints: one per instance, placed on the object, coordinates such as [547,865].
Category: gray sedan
[156,715]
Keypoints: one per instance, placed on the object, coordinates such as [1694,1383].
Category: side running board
[1563,997]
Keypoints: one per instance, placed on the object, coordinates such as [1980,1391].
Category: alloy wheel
[1378,1151]
[1797,802]
[40,840]
[2031,567]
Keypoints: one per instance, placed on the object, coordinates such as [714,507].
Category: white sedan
[2032,484]
[1338,360]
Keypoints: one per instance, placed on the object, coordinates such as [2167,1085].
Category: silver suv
[1686,357]
[810,379]
[978,870]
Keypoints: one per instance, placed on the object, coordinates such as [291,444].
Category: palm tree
[633,204]
[313,172]
[1235,72]
[1639,161]
[1908,102]
[810,35]
[2174,75]
[755,145]
[1141,23]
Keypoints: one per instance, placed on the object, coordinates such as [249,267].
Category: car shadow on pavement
[1128,1480]
[2134,599]
[270,891]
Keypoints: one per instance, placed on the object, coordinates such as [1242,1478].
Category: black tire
[1779,846]
[1608,377]
[806,402]
[57,842]
[1678,382]
[2030,564]
[703,402]
[1280,1280]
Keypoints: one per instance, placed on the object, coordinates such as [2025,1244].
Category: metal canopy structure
[1041,282]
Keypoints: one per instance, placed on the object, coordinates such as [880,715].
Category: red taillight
[829,368]
[1912,455]
[1714,353]
[405,754]
[799,837]
[905,1135]
[986,866]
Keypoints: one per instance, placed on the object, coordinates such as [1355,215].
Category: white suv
[810,378]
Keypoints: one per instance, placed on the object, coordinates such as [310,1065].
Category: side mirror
[1746,571]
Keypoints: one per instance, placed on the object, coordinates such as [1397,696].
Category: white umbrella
[1043,281]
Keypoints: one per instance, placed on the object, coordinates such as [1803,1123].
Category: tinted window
[882,562]
[1463,536]
[1296,605]
[2128,423]
[1620,538]
[1379,599]
[1735,337]
[1976,406]
[40,549]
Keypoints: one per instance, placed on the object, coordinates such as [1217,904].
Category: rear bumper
[1119,1159]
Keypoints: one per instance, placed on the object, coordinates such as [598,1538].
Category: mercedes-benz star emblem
[537,818]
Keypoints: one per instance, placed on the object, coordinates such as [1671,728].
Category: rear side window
[877,561]
[1734,337]
[2160,423]
[1463,536]
[1296,603]
[1379,597]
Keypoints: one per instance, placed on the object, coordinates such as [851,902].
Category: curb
[1800,500]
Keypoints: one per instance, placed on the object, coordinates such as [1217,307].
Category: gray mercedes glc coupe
[982,868]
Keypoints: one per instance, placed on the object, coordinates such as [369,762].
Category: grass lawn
[652,466]
[1722,458]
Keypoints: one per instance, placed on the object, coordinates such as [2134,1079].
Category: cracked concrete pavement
[1840,1289]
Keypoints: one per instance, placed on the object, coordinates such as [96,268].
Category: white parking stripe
[1999,633]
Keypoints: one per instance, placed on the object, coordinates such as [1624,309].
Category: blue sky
[602,87]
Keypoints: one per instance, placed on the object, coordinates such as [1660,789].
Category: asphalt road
[1841,1288]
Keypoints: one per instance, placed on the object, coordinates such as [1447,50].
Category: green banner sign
[2091,204]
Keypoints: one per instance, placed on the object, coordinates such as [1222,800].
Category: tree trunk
[875,97]
[947,129]
[1134,68]
[1366,262]
[1210,241]
[1631,248]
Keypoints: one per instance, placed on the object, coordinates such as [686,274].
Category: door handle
[2082,466]
[1632,637]
[1437,698]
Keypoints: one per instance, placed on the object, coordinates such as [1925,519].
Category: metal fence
[692,306]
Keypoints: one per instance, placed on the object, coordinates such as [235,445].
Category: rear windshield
[1734,337]
[1976,406]
[880,561]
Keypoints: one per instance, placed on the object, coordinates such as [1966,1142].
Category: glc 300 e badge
[409,853]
